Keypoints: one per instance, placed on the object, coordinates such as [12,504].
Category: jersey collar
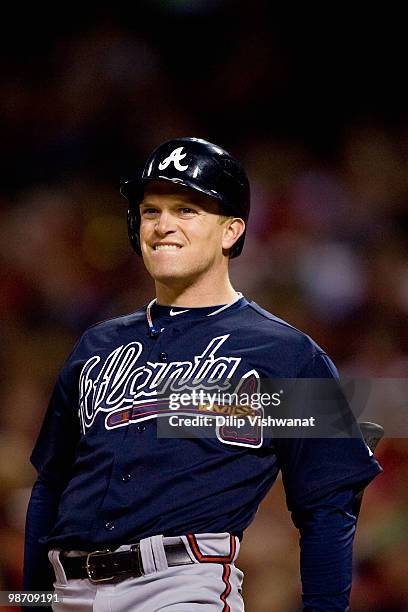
[155,312]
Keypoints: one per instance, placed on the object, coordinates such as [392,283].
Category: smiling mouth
[166,247]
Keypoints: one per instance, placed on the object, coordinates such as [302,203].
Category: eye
[186,210]
[149,212]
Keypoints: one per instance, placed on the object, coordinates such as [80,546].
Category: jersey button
[141,428]
[163,356]
[109,526]
[126,477]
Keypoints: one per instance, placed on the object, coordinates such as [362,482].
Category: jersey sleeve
[53,457]
[313,467]
[54,449]
[326,549]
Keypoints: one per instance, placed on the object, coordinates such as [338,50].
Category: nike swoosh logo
[176,312]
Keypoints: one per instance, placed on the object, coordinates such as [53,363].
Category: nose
[165,223]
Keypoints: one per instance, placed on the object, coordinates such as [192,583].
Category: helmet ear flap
[133,192]
[133,222]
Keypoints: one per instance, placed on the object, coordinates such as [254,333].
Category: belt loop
[159,553]
[54,558]
[146,552]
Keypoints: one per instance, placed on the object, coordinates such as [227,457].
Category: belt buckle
[89,568]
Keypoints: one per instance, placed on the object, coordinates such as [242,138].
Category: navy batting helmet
[199,165]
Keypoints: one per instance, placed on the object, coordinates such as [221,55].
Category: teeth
[161,247]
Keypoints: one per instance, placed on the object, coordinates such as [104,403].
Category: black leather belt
[104,565]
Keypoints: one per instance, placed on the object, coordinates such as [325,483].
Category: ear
[233,229]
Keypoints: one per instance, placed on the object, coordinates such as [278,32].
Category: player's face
[182,234]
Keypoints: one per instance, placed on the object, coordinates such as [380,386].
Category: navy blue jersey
[121,482]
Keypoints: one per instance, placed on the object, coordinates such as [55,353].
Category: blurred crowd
[327,249]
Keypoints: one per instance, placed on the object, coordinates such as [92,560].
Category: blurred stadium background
[319,117]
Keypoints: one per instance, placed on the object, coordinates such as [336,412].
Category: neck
[195,296]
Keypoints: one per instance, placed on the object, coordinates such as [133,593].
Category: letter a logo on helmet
[175,156]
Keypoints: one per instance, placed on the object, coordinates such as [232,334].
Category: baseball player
[122,518]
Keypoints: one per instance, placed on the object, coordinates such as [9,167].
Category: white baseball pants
[203,586]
